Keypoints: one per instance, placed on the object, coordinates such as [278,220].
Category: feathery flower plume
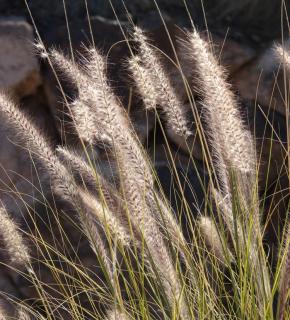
[143,79]
[106,193]
[91,176]
[102,107]
[233,144]
[22,314]
[38,146]
[106,218]
[104,103]
[84,121]
[93,232]
[40,49]
[84,118]
[135,177]
[14,244]
[165,219]
[222,110]
[62,181]
[3,315]
[155,76]
[116,314]
[234,150]
[284,286]
[283,55]
[134,169]
[70,70]
[78,166]
[212,239]
[111,117]
[142,219]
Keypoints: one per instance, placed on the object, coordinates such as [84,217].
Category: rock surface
[19,69]
[262,80]
[255,21]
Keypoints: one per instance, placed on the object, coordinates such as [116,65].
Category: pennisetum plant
[152,270]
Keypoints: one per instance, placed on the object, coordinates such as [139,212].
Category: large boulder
[19,70]
[262,80]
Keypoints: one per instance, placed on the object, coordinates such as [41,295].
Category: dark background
[257,21]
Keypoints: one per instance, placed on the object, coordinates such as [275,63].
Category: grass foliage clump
[145,264]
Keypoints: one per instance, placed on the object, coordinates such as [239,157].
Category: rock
[19,70]
[232,54]
[249,18]
[262,80]
[194,182]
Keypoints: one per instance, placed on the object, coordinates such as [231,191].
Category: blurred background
[256,20]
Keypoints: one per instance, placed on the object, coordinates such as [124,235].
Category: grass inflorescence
[148,261]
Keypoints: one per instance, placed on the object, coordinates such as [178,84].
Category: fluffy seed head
[212,238]
[116,314]
[26,133]
[17,250]
[232,141]
[283,54]
[155,76]
[284,285]
[62,182]
[143,80]
[107,218]
[22,314]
